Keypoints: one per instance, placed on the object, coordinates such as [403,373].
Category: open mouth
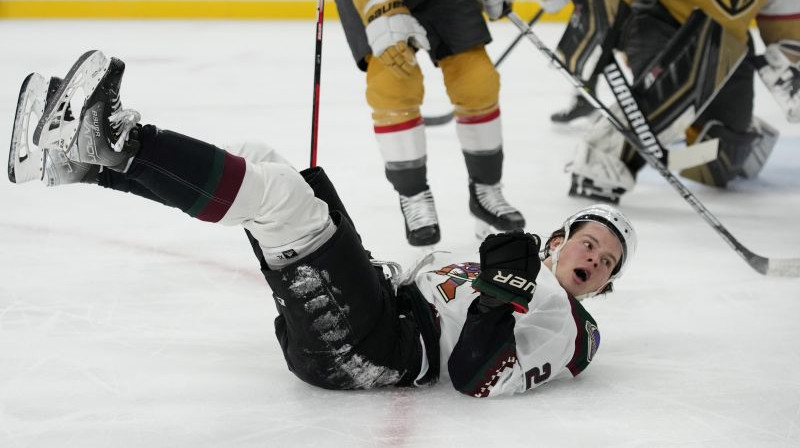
[582,274]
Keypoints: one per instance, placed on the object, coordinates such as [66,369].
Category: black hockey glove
[509,266]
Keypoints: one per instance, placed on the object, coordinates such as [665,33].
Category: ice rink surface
[126,324]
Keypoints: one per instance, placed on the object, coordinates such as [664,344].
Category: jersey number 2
[536,376]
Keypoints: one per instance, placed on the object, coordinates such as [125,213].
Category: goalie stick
[648,146]
[439,120]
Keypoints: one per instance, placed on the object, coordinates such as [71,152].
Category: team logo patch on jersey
[594,340]
[459,274]
[734,7]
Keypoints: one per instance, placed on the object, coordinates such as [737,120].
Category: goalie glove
[393,34]
[509,267]
[782,76]
[552,6]
[497,9]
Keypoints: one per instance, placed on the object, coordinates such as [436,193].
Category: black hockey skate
[85,120]
[422,224]
[491,210]
[584,187]
[579,113]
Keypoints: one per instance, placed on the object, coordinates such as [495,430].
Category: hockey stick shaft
[647,145]
[438,120]
[317,76]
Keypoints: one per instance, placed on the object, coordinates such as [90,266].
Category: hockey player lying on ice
[501,327]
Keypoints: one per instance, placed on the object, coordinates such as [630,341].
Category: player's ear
[554,242]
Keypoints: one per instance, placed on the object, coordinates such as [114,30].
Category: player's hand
[509,267]
[779,68]
[393,35]
[497,9]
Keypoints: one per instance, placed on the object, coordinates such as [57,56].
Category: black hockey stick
[647,145]
[317,76]
[438,120]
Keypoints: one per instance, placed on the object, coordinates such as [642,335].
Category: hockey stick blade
[439,120]
[783,267]
[693,155]
[648,146]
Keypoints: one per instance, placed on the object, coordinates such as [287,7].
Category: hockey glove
[553,6]
[497,9]
[393,34]
[782,76]
[509,267]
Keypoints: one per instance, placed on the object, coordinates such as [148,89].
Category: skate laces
[122,122]
[398,276]
[419,210]
[491,198]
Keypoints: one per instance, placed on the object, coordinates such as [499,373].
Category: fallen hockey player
[346,321]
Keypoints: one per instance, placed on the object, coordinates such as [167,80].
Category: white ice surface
[126,324]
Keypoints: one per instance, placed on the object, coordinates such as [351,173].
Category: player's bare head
[591,250]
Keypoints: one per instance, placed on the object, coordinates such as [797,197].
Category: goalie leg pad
[696,63]
[734,150]
[590,35]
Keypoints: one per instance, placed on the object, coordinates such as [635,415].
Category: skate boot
[422,224]
[585,187]
[85,120]
[59,170]
[27,161]
[491,210]
[599,174]
[579,114]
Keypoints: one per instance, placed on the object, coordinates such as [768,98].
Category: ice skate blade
[25,159]
[425,250]
[58,128]
[484,229]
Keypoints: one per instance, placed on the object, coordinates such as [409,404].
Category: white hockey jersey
[556,338]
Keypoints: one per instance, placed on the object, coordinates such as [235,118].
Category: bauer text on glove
[509,267]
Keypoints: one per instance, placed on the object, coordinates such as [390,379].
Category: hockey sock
[120,182]
[408,178]
[484,167]
[196,177]
[481,141]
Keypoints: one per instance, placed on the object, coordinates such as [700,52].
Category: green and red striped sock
[197,177]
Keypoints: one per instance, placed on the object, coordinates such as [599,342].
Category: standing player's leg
[473,85]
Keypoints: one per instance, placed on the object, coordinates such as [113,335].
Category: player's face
[587,260]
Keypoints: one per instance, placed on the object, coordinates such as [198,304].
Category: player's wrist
[493,296]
